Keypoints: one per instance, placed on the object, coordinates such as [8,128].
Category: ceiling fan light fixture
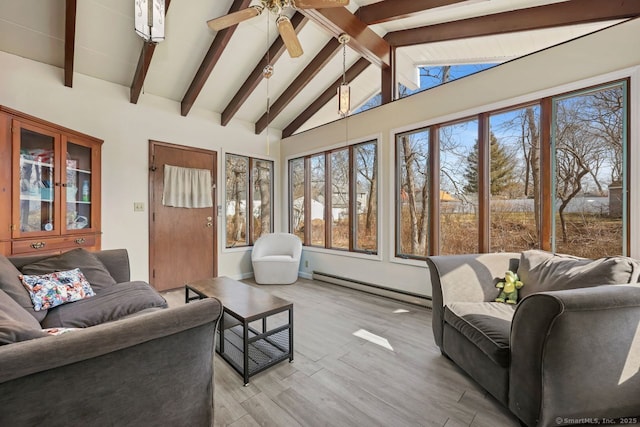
[149,19]
[289,37]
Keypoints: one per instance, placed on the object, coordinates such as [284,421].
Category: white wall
[597,58]
[103,110]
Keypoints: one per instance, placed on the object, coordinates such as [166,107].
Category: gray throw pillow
[15,323]
[120,300]
[93,269]
[11,284]
[544,271]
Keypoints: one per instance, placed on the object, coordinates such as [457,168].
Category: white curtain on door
[187,187]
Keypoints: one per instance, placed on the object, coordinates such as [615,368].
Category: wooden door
[182,241]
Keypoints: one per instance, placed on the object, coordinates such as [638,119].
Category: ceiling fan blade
[319,4]
[234,18]
[289,37]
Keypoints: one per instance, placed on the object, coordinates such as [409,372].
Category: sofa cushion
[15,323]
[11,284]
[486,324]
[92,268]
[54,289]
[113,303]
[544,271]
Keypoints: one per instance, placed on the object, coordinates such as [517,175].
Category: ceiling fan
[285,28]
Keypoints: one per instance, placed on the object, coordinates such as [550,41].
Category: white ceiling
[107,48]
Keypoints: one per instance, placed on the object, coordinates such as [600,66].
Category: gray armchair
[556,357]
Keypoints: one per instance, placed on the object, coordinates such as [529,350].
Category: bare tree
[236,170]
[415,190]
[262,185]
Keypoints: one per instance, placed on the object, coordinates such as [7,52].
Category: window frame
[352,203]
[249,183]
[547,178]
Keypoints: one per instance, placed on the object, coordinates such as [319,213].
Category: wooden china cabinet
[49,186]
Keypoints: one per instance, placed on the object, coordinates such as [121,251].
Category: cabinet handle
[38,245]
[80,240]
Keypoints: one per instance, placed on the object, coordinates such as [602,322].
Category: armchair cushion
[11,284]
[92,268]
[119,301]
[15,323]
[485,324]
[544,271]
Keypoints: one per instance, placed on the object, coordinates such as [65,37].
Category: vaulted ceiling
[221,72]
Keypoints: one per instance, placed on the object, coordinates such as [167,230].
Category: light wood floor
[340,379]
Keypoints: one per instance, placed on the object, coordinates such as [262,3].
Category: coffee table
[248,350]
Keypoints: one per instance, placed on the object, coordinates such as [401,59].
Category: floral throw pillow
[54,289]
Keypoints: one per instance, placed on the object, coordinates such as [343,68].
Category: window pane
[413,194]
[458,188]
[366,200]
[340,199]
[590,172]
[318,201]
[262,185]
[296,181]
[237,176]
[431,76]
[514,159]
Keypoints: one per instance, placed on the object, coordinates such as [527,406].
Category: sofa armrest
[152,369]
[465,278]
[576,354]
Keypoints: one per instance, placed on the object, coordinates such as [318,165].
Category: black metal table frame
[246,341]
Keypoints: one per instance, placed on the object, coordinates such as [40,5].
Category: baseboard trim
[395,294]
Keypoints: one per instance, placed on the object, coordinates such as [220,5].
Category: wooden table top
[244,300]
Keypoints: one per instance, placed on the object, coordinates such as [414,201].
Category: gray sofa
[128,361]
[568,351]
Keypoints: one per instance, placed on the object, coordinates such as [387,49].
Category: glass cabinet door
[36,148]
[77,188]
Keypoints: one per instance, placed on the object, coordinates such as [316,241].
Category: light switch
[138,206]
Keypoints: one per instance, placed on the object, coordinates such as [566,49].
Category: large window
[458,187]
[333,198]
[249,194]
[412,153]
[509,181]
[514,187]
[589,147]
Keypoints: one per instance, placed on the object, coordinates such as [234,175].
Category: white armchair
[276,258]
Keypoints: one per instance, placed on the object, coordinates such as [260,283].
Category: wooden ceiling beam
[275,51]
[210,60]
[146,54]
[558,14]
[385,11]
[303,79]
[331,92]
[338,20]
[69,41]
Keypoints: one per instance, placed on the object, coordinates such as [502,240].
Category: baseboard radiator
[395,294]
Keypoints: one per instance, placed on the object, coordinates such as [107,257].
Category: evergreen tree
[501,174]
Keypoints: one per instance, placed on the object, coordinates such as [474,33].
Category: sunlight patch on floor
[632,364]
[401,310]
[376,339]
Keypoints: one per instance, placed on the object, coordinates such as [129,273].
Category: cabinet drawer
[52,244]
